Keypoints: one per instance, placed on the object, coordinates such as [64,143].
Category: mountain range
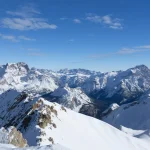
[57,108]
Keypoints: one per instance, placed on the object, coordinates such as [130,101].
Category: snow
[79,132]
[18,76]
[134,115]
[133,118]
[73,98]
[73,130]
[48,147]
[127,84]
[112,107]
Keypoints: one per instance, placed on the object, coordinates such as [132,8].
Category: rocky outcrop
[12,136]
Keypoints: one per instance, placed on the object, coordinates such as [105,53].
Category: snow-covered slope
[48,147]
[133,118]
[134,115]
[45,123]
[73,98]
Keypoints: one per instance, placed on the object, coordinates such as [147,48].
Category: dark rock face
[94,109]
[89,110]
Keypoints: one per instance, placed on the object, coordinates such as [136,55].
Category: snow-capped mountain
[18,76]
[117,86]
[77,72]
[103,88]
[73,98]
[45,123]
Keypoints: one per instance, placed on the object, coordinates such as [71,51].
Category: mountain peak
[17,68]
[142,67]
[19,64]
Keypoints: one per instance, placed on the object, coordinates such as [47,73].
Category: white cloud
[15,38]
[26,19]
[78,21]
[9,37]
[94,18]
[26,23]
[107,20]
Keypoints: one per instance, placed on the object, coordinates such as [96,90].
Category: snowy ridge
[45,123]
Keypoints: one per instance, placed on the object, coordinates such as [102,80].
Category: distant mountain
[18,76]
[45,123]
[77,72]
[119,87]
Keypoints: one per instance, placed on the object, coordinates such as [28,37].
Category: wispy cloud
[78,21]
[102,55]
[26,18]
[107,20]
[25,11]
[64,18]
[144,47]
[71,40]
[124,51]
[26,38]
[26,23]
[9,37]
[16,38]
[36,54]
[33,49]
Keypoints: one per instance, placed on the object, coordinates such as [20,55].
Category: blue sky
[92,34]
